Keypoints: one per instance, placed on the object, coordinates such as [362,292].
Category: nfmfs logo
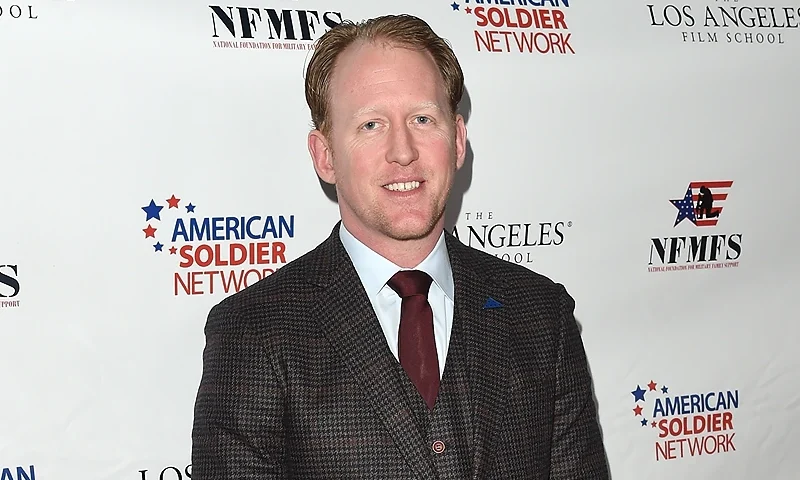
[216,254]
[704,247]
[269,28]
[529,26]
[686,425]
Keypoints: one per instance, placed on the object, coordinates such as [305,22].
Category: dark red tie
[416,342]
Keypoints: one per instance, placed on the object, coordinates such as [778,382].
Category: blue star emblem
[664,390]
[158,246]
[685,208]
[455,6]
[190,208]
[638,394]
[492,303]
[152,211]
[644,422]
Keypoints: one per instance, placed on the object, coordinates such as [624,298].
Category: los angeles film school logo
[171,472]
[726,21]
[529,27]
[510,241]
[18,12]
[701,207]
[215,254]
[256,28]
[687,425]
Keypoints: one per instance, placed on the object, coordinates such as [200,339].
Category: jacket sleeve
[238,429]
[577,447]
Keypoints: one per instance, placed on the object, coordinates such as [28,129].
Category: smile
[402,186]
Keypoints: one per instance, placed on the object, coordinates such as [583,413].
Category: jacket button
[438,446]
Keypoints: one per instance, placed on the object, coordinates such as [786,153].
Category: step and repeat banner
[153,161]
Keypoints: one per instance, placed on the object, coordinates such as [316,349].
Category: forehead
[369,72]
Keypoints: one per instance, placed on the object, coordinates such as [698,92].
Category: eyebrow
[370,109]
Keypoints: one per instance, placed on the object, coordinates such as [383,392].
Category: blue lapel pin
[492,303]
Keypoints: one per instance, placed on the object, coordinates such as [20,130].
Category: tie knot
[410,282]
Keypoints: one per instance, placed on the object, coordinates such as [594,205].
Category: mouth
[403,186]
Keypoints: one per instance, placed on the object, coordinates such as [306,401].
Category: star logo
[685,208]
[638,394]
[702,202]
[456,7]
[152,210]
[149,231]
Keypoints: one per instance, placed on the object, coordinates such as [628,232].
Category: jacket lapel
[486,332]
[348,321]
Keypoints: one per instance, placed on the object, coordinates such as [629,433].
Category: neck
[403,253]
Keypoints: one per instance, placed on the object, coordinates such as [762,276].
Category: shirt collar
[375,270]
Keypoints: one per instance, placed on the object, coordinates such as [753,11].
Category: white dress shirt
[375,271]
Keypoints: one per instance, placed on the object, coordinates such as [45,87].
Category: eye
[423,119]
[371,125]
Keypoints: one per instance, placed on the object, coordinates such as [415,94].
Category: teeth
[402,187]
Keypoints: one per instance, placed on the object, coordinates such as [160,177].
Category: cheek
[362,159]
[441,141]
[442,156]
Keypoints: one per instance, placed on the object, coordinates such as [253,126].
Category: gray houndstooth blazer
[298,381]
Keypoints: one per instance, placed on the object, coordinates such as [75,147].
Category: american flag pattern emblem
[703,202]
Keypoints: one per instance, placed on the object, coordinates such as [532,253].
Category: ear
[461,141]
[322,156]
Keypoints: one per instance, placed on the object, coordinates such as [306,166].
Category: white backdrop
[108,105]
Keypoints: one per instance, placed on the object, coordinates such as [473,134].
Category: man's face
[393,147]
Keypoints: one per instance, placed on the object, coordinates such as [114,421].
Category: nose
[401,148]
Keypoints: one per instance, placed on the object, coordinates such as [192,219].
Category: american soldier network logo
[523,27]
[686,425]
[256,28]
[701,207]
[18,473]
[734,22]
[215,254]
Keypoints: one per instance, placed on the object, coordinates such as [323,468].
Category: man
[392,351]
[705,203]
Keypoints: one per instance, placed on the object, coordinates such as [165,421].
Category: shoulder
[287,293]
[539,309]
[521,284]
